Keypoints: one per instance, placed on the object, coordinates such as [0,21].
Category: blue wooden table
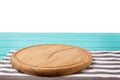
[89,41]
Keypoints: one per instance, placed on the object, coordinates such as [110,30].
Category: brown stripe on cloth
[105,66]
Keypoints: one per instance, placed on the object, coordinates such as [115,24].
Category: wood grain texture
[51,59]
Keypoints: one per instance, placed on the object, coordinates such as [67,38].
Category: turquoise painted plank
[61,34]
[30,33]
[77,43]
[60,38]
[92,39]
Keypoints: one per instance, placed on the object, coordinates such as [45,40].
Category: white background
[59,15]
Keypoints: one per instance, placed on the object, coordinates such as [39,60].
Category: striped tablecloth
[105,66]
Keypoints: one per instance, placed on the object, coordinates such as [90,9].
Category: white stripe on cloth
[116,51]
[106,55]
[5,61]
[6,57]
[13,74]
[101,70]
[111,62]
[5,65]
[8,69]
[94,75]
[105,66]
[108,58]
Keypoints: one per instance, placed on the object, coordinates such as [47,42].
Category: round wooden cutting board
[51,59]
